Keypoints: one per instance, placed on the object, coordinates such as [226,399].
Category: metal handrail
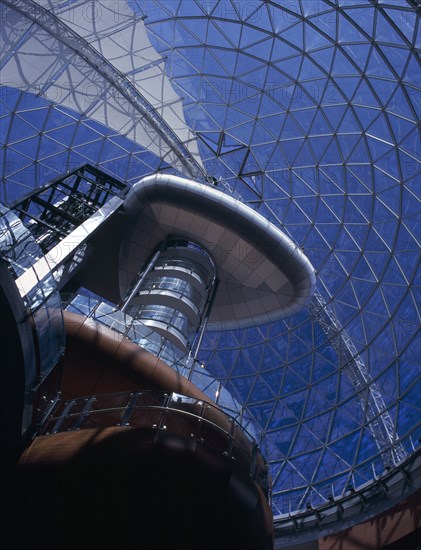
[238,443]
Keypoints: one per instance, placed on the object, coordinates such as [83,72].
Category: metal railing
[171,412]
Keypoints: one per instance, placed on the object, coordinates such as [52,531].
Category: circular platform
[263,275]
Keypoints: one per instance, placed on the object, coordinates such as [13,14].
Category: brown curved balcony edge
[171,413]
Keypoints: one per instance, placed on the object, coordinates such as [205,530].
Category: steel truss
[378,419]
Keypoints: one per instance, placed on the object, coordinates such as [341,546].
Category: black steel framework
[56,209]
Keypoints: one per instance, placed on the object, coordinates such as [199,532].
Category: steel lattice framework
[309,111]
[378,418]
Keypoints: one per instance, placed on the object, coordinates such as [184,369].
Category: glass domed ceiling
[308,111]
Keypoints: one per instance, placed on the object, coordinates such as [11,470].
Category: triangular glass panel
[261,391]
[320,125]
[330,465]
[413,73]
[378,148]
[398,104]
[402,20]
[215,113]
[324,387]
[336,205]
[49,147]
[306,442]
[36,117]
[355,328]
[364,96]
[332,95]
[409,411]
[324,57]
[277,87]
[211,66]
[305,118]
[283,18]
[264,153]
[314,38]
[9,98]
[300,99]
[282,50]
[294,35]
[89,151]
[368,448]
[397,57]
[364,17]
[374,243]
[334,114]
[289,66]
[358,53]
[232,31]
[237,113]
[377,66]
[363,203]
[304,156]
[319,145]
[411,144]
[235,158]
[274,123]
[19,130]
[250,165]
[251,35]
[313,88]
[347,31]
[26,148]
[347,143]
[259,16]
[247,64]
[227,58]
[362,271]
[289,149]
[366,115]
[325,213]
[185,33]
[383,184]
[400,126]
[344,449]
[389,163]
[378,261]
[385,31]
[309,70]
[342,65]
[262,49]
[63,135]
[326,22]
[349,122]
[290,129]
[260,412]
[363,179]
[256,79]
[347,85]
[353,214]
[379,128]
[383,88]
[6,124]
[332,154]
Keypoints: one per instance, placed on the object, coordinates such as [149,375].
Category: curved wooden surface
[137,488]
[100,360]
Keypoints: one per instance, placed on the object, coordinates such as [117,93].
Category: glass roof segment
[40,140]
[309,111]
[96,58]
